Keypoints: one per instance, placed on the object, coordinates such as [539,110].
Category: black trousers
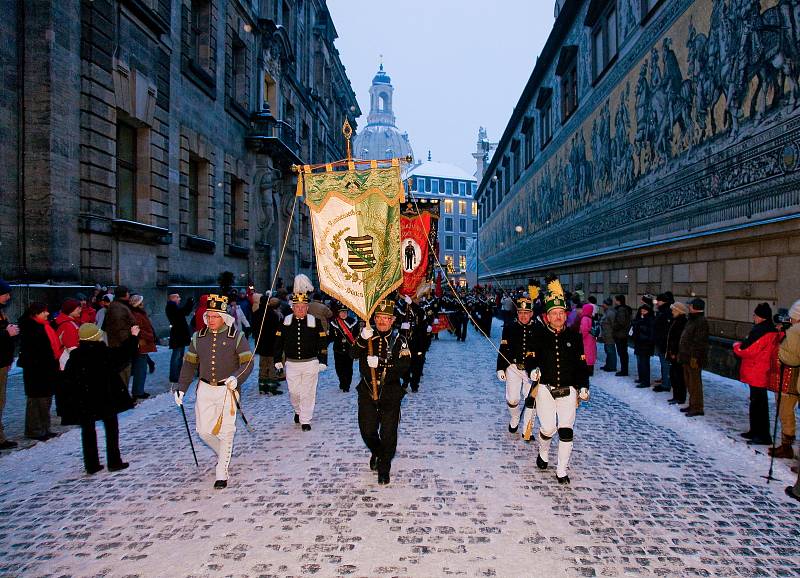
[414,373]
[344,369]
[622,351]
[378,423]
[677,382]
[460,327]
[759,412]
[89,439]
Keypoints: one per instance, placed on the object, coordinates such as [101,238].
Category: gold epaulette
[245,356]
[191,357]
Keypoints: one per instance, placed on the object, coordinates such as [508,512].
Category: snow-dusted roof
[440,170]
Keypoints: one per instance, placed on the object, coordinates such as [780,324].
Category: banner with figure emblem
[417,218]
[355,216]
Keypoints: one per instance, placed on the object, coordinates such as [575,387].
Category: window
[604,40]
[516,168]
[448,224]
[448,242]
[462,225]
[237,219]
[420,184]
[448,187]
[193,217]
[462,243]
[528,135]
[448,206]
[546,123]
[474,208]
[462,188]
[569,91]
[462,207]
[238,89]
[462,263]
[474,188]
[475,225]
[448,263]
[126,172]
[435,186]
[200,32]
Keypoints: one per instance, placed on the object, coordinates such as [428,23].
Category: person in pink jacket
[589,340]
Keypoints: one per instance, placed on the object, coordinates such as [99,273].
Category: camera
[781,319]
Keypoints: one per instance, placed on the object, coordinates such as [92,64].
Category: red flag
[414,250]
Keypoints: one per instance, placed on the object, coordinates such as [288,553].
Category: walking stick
[188,433]
[241,413]
[775,426]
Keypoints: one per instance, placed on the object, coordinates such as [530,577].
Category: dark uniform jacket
[560,357]
[517,345]
[301,340]
[394,357]
[216,357]
[179,334]
[337,336]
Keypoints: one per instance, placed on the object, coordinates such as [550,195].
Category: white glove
[372,361]
[178,397]
[405,325]
[407,299]
[501,375]
[231,383]
[430,328]
[279,366]
[536,374]
[367,332]
[322,367]
[584,394]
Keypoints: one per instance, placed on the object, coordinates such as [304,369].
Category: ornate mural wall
[695,126]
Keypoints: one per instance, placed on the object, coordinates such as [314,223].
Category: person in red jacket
[67,324]
[147,344]
[755,353]
[88,313]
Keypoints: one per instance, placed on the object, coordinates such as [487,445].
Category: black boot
[220,484]
[540,463]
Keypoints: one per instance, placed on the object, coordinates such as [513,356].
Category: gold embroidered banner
[355,215]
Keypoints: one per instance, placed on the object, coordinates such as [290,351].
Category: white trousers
[556,415]
[518,384]
[301,378]
[213,401]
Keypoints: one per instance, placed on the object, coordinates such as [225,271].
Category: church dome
[381,139]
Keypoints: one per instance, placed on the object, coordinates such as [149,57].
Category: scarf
[55,342]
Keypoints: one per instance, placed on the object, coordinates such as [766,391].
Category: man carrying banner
[563,379]
[383,357]
[342,333]
[223,357]
[516,359]
[303,342]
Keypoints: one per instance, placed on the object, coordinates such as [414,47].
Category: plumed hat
[302,289]
[554,298]
[533,289]
[298,297]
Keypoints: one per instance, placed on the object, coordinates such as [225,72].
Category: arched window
[383,102]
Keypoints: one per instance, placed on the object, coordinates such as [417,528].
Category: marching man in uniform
[343,330]
[563,379]
[223,357]
[383,357]
[515,361]
[303,342]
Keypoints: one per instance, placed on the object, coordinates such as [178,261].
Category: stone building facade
[656,146]
[150,142]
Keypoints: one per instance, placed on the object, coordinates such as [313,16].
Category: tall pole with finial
[347,131]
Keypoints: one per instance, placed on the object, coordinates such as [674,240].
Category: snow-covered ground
[653,492]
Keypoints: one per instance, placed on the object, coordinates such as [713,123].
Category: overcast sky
[455,65]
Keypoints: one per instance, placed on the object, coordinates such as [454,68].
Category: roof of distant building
[440,170]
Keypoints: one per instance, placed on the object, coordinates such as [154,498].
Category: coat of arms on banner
[355,215]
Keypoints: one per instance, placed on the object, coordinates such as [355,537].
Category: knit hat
[90,332]
[554,298]
[647,299]
[763,310]
[69,306]
[136,300]
[5,287]
[698,304]
[794,310]
[663,298]
[680,307]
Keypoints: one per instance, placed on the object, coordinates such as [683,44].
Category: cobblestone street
[653,493]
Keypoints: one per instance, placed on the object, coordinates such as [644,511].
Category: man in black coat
[342,334]
[179,335]
[663,315]
[621,326]
[8,331]
[383,357]
[266,320]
